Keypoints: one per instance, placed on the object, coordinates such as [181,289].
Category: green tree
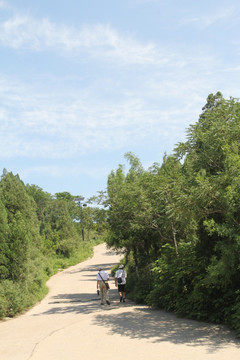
[23,234]
[59,230]
[130,212]
[4,250]
[41,198]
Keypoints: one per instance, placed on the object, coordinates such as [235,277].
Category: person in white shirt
[102,284]
[120,282]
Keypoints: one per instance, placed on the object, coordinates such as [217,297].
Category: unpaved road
[70,324]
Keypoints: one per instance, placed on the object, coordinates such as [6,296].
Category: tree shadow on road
[141,322]
[159,326]
[92,268]
[78,303]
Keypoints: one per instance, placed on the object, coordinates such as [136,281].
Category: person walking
[103,286]
[120,282]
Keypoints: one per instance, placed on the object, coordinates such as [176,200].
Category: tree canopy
[179,221]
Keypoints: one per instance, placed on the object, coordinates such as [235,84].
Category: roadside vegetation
[179,221]
[40,234]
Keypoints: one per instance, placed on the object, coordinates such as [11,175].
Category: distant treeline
[179,221]
[39,234]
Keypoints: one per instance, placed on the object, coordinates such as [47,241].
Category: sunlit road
[70,324]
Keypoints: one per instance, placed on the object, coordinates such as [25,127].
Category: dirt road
[70,324]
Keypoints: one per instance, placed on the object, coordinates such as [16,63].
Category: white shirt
[121,273]
[104,275]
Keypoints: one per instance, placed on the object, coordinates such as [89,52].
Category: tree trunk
[174,238]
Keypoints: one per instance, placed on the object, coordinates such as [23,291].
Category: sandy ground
[70,324]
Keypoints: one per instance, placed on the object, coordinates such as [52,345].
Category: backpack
[119,279]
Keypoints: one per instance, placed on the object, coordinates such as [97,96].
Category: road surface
[70,324]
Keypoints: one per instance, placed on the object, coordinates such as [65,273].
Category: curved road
[70,324]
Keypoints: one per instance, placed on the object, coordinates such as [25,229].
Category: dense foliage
[39,234]
[179,222]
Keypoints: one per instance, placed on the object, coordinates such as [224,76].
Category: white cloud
[59,123]
[97,40]
[38,125]
[207,19]
[37,122]
[57,171]
[47,170]
[3,4]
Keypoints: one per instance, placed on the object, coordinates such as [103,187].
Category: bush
[12,299]
[235,317]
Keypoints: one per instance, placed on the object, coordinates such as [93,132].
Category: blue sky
[84,82]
